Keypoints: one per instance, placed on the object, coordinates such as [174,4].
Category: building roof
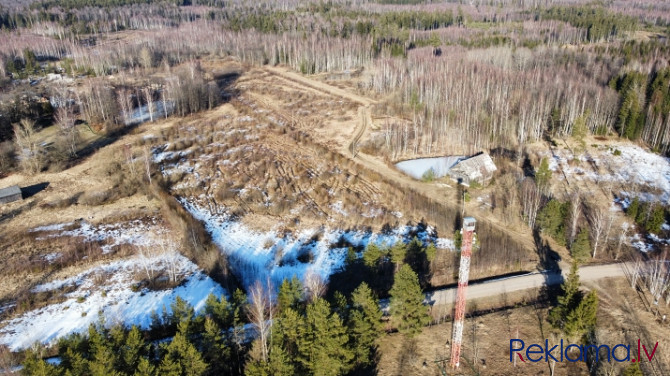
[10,191]
[476,167]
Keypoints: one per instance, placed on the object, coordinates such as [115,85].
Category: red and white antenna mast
[463,275]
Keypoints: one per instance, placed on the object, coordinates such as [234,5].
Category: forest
[296,332]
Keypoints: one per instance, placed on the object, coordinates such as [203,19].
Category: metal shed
[10,194]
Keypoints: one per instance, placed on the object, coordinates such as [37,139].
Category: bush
[429,175]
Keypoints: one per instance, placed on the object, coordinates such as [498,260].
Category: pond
[440,165]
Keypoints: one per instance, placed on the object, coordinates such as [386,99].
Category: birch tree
[597,218]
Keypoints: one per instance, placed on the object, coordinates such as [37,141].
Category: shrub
[429,175]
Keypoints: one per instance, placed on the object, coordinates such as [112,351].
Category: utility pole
[463,276]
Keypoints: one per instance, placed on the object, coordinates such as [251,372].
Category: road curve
[525,282]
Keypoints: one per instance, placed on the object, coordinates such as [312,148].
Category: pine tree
[364,323]
[287,331]
[180,311]
[582,319]
[633,208]
[431,252]
[581,248]
[322,344]
[102,359]
[145,368]
[372,255]
[181,358]
[407,309]
[579,132]
[569,299]
[551,220]
[543,175]
[132,351]
[458,240]
[33,365]
[633,370]
[219,310]
[215,352]
[656,219]
[290,294]
[398,254]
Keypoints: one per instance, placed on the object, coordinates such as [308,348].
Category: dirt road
[526,282]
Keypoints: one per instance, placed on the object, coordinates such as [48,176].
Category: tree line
[294,330]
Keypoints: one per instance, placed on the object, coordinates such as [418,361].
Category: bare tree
[597,218]
[171,256]
[575,214]
[259,313]
[124,98]
[530,198]
[146,58]
[147,163]
[621,239]
[68,131]
[28,149]
[314,285]
[657,276]
[148,96]
[147,260]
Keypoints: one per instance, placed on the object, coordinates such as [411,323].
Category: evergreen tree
[279,363]
[145,368]
[372,255]
[579,132]
[569,299]
[33,365]
[633,370]
[543,175]
[398,254]
[582,320]
[215,352]
[102,358]
[219,310]
[132,351]
[458,240]
[290,294]
[322,343]
[552,220]
[581,248]
[287,331]
[656,219]
[409,313]
[364,323]
[181,358]
[633,208]
[181,311]
[431,252]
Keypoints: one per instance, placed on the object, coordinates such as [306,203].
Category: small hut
[10,194]
[478,169]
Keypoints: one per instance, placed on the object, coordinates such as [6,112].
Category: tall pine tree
[407,309]
[322,344]
[365,324]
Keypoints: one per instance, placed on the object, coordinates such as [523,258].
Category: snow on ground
[417,167]
[141,114]
[131,232]
[105,291]
[634,165]
[256,255]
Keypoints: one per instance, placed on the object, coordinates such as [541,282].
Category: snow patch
[113,300]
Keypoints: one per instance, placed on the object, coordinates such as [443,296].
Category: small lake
[417,167]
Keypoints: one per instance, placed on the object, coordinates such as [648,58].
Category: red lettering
[652,353]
